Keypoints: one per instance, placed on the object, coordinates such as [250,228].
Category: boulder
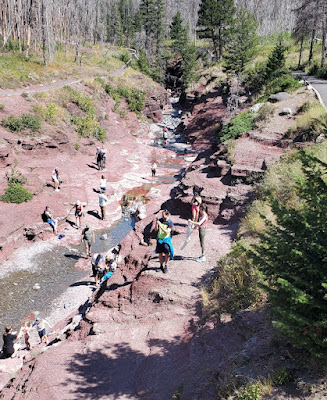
[256,107]
[320,138]
[286,111]
[278,97]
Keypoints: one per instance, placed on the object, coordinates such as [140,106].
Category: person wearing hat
[89,238]
[78,213]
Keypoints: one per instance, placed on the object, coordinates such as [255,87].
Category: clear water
[53,271]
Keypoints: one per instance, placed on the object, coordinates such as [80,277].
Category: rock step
[269,139]
[245,170]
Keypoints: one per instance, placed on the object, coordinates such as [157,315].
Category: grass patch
[265,113]
[88,126]
[26,121]
[82,100]
[241,123]
[48,112]
[310,124]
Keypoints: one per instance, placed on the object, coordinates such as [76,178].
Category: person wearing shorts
[98,266]
[50,220]
[164,247]
[40,326]
[88,238]
[78,213]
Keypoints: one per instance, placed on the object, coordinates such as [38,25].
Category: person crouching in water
[165,248]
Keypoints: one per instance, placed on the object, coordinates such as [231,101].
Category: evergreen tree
[114,26]
[242,43]
[176,27]
[215,18]
[276,60]
[152,12]
[127,17]
[293,256]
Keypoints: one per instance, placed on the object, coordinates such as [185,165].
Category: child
[26,332]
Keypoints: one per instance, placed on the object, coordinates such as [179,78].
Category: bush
[236,284]
[241,123]
[47,112]
[310,124]
[123,56]
[2,106]
[316,70]
[26,121]
[283,83]
[135,97]
[281,376]
[252,392]
[89,127]
[16,193]
[15,176]
[82,100]
[265,112]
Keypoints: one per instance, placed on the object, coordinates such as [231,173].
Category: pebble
[36,287]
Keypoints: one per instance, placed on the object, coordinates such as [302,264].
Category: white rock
[256,107]
[36,287]
[320,138]
[286,111]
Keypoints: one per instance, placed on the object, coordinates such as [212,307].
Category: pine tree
[114,26]
[176,27]
[276,60]
[242,43]
[215,17]
[293,256]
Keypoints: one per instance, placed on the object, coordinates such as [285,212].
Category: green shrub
[26,121]
[16,193]
[47,112]
[265,112]
[89,127]
[135,97]
[316,70]
[236,283]
[252,392]
[2,106]
[82,100]
[281,376]
[136,100]
[123,56]
[15,176]
[282,83]
[241,123]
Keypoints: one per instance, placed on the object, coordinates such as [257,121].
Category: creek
[48,269]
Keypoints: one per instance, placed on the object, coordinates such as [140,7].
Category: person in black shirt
[8,342]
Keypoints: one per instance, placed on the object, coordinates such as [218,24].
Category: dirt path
[319,85]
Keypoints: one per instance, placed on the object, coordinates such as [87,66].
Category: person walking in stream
[164,247]
[89,238]
[202,223]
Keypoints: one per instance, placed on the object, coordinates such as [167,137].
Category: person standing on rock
[40,326]
[56,179]
[103,201]
[202,224]
[99,158]
[196,202]
[89,238]
[78,213]
[164,247]
[153,169]
[103,184]
[165,135]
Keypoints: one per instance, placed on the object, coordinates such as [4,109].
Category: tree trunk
[311,45]
[301,50]
[28,40]
[44,33]
[324,33]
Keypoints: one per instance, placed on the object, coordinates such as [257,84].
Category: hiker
[196,202]
[40,326]
[104,157]
[103,184]
[9,347]
[98,266]
[89,238]
[165,135]
[153,169]
[99,158]
[78,213]
[47,213]
[164,247]
[26,332]
[103,201]
[111,266]
[202,224]
[56,179]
